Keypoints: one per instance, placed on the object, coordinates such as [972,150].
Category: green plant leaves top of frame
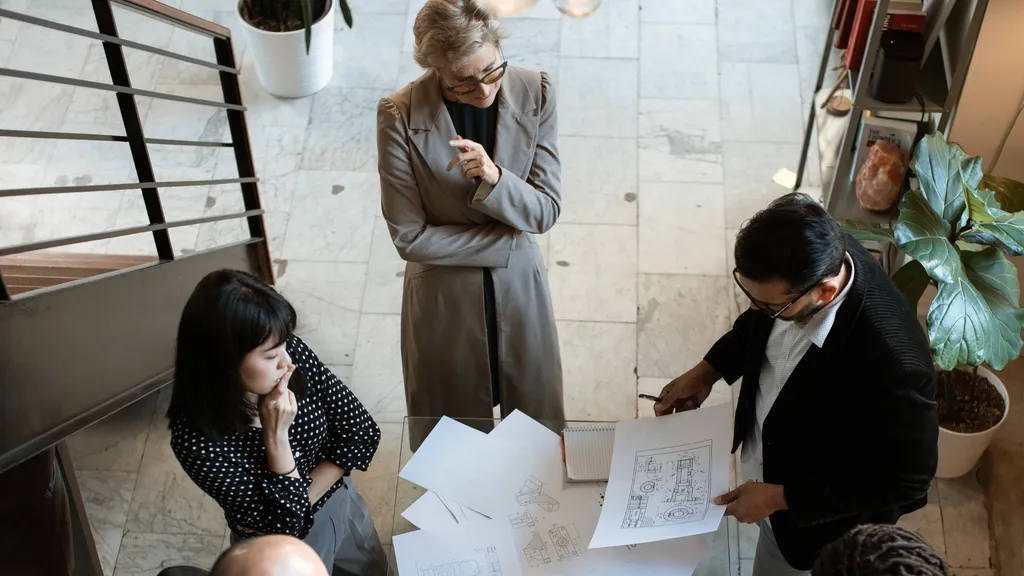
[995,277]
[945,172]
[923,235]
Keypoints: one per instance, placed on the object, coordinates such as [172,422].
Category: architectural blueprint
[670,486]
[483,562]
[485,549]
[665,475]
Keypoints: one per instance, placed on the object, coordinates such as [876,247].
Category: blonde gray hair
[449,32]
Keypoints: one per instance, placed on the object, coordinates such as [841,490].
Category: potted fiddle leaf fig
[292,43]
[959,228]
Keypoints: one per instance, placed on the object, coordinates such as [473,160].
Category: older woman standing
[469,173]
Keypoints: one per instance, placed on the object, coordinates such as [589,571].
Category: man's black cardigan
[853,435]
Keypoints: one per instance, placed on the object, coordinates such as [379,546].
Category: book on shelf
[846,17]
[913,20]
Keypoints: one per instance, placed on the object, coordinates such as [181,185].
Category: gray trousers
[344,536]
[768,560]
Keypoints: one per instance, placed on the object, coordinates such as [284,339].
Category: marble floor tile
[744,37]
[611,32]
[385,274]
[749,168]
[48,51]
[677,11]
[378,7]
[965,522]
[534,43]
[679,318]
[592,272]
[107,496]
[682,229]
[761,103]
[186,121]
[264,109]
[810,41]
[147,554]
[357,67]
[678,61]
[166,500]
[327,297]
[277,151]
[719,564]
[377,484]
[222,233]
[408,69]
[408,40]
[599,180]
[599,367]
[928,522]
[748,535]
[343,130]
[116,443]
[720,394]
[6,47]
[812,13]
[277,228]
[194,45]
[332,216]
[377,373]
[737,299]
[680,140]
[601,97]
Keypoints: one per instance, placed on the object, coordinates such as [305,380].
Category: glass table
[723,562]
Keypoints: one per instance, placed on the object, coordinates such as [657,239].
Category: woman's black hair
[793,240]
[880,550]
[229,314]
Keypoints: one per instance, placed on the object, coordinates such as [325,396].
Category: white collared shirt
[787,344]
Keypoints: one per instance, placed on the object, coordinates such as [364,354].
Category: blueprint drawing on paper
[670,486]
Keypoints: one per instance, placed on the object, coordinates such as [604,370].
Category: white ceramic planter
[959,453]
[282,65]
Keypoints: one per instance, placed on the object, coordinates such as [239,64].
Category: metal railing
[126,94]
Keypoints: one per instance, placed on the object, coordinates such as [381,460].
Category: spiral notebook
[587,452]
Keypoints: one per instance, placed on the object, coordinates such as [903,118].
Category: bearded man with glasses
[836,414]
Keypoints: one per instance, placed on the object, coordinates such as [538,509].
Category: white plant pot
[959,453]
[282,65]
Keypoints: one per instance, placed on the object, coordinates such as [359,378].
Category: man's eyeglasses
[769,309]
[491,77]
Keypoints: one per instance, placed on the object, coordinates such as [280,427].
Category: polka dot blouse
[331,424]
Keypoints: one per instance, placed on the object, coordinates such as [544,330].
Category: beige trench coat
[447,229]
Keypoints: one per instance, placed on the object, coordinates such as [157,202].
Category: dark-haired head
[230,349]
[789,258]
[880,550]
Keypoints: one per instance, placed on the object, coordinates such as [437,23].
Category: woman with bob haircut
[265,429]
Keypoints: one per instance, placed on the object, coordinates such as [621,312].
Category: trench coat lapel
[517,125]
[431,130]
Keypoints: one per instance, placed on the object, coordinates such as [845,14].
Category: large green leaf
[1005,232]
[995,278]
[944,171]
[982,205]
[863,231]
[1009,193]
[959,325]
[923,235]
[911,279]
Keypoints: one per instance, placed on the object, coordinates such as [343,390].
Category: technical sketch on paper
[670,486]
[532,492]
[559,543]
[483,563]
[522,520]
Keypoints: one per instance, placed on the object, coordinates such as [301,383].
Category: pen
[649,397]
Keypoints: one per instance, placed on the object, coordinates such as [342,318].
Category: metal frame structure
[57,376]
[938,95]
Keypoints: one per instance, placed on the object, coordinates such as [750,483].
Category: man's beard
[804,315]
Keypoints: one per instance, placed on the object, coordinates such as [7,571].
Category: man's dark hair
[793,240]
[228,315]
[880,550]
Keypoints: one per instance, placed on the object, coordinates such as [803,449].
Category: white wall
[994,90]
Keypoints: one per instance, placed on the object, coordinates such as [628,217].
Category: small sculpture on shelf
[880,179]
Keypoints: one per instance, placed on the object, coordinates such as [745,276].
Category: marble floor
[674,116]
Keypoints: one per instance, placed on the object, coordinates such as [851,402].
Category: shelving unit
[940,87]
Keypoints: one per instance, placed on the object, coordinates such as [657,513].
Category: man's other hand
[753,501]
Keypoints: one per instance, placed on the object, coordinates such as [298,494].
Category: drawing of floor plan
[532,492]
[670,486]
[483,563]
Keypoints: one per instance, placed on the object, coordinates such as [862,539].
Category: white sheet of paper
[485,474]
[428,512]
[665,473]
[485,549]
[528,434]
